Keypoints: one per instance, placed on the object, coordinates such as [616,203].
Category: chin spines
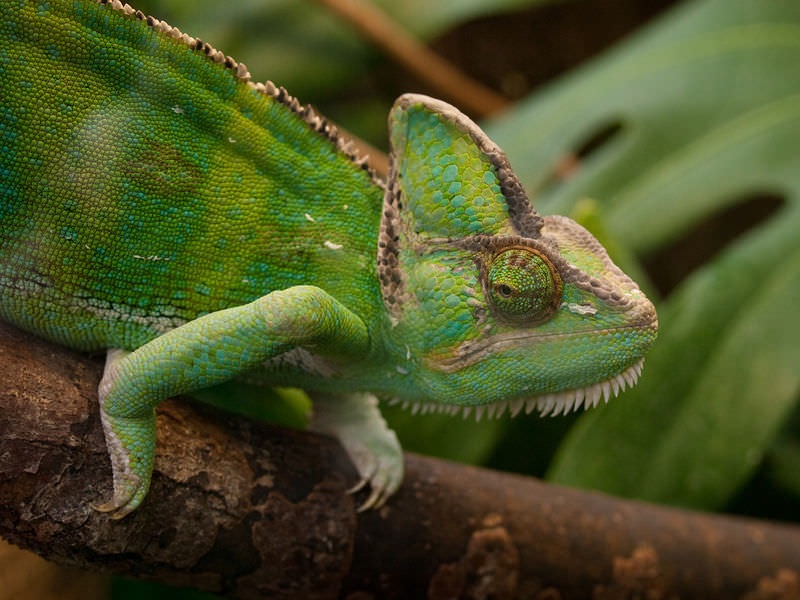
[553,404]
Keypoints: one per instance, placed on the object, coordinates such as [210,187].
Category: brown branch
[440,74]
[250,511]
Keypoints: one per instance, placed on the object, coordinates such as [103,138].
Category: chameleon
[159,205]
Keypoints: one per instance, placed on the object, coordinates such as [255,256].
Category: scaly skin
[157,203]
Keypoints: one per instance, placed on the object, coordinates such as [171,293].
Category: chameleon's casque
[157,203]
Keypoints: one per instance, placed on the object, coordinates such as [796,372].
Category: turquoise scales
[156,202]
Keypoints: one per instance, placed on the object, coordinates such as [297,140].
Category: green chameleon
[157,203]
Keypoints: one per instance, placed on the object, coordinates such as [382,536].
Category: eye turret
[523,286]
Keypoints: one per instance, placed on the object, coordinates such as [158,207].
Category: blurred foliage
[685,136]
[704,107]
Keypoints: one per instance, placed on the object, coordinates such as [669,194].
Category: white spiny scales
[606,387]
[552,404]
[516,406]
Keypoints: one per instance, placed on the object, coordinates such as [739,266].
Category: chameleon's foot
[355,420]
[131,447]
[379,466]
[127,497]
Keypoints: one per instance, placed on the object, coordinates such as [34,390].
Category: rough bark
[247,510]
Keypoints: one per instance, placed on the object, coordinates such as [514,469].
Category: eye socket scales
[522,285]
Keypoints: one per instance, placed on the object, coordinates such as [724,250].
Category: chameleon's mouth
[553,404]
[472,352]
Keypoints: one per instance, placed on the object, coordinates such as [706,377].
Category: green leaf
[708,106]
[708,100]
[427,19]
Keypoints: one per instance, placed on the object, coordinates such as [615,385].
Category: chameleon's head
[491,303]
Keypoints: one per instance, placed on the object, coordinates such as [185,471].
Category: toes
[115,510]
[128,495]
[359,485]
[384,481]
[376,499]
[129,491]
[106,507]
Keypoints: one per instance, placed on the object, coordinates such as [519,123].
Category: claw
[359,485]
[129,492]
[384,481]
[355,421]
[370,476]
[381,489]
[376,499]
[116,512]
[127,496]
[106,507]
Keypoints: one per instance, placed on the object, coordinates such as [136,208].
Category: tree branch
[248,510]
[449,81]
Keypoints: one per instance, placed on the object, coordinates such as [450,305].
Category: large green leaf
[708,100]
[426,19]
[709,103]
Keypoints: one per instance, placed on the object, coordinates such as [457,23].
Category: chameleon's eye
[523,286]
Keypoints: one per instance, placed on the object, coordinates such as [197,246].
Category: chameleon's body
[146,182]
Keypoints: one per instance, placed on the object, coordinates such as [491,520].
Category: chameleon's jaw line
[552,404]
[472,353]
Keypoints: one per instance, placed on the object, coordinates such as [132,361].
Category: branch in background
[376,159]
[444,77]
[247,510]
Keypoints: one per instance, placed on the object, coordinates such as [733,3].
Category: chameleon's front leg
[206,351]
